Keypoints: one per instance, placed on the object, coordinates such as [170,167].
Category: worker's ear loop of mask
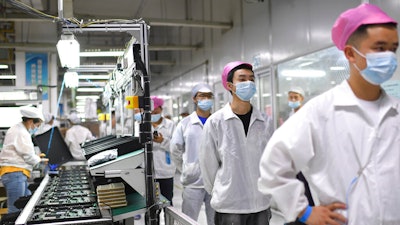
[52,127]
[354,181]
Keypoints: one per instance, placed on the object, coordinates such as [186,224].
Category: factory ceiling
[37,24]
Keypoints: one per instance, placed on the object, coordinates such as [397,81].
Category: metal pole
[151,217]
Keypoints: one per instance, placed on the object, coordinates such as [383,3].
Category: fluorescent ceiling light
[94,77]
[305,64]
[3,66]
[337,68]
[303,73]
[71,79]
[101,54]
[95,97]
[90,90]
[68,51]
[8,77]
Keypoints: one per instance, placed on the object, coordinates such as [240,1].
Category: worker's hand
[158,138]
[44,160]
[322,215]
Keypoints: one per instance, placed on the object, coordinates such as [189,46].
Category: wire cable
[58,104]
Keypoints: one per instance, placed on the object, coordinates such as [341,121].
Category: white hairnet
[297,90]
[73,117]
[31,112]
[47,117]
[201,88]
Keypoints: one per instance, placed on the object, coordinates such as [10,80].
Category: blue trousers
[16,185]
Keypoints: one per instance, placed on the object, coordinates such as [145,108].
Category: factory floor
[177,200]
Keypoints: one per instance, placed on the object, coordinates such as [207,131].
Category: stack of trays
[111,195]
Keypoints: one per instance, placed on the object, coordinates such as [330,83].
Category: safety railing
[174,216]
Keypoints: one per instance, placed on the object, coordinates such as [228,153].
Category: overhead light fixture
[303,73]
[68,51]
[71,79]
[101,54]
[337,68]
[94,77]
[3,66]
[90,90]
[94,97]
[8,77]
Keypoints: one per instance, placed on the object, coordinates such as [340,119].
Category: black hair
[241,66]
[230,74]
[35,120]
[361,32]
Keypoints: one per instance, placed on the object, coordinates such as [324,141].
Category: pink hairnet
[157,101]
[228,69]
[353,18]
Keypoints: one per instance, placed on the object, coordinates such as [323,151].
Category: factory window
[315,73]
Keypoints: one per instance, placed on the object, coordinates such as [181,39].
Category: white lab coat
[162,168]
[331,140]
[185,145]
[229,161]
[18,148]
[74,136]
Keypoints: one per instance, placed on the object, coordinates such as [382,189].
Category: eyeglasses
[202,96]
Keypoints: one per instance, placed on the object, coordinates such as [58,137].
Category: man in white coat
[345,141]
[185,144]
[232,142]
[77,135]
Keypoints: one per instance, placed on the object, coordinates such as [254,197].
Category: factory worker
[18,157]
[346,140]
[295,99]
[164,167]
[76,135]
[232,142]
[185,147]
[48,123]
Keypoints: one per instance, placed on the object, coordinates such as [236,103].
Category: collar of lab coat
[345,97]
[193,117]
[229,114]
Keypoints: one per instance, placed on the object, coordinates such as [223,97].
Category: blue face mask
[294,105]
[33,131]
[138,117]
[245,90]
[205,104]
[380,66]
[155,117]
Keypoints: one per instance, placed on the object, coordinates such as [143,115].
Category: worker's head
[202,96]
[73,118]
[31,117]
[157,108]
[369,39]
[295,97]
[238,78]
[48,118]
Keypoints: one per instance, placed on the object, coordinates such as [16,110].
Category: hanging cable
[52,128]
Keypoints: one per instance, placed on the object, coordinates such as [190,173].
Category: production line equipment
[70,194]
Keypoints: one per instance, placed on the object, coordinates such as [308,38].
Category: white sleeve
[208,156]
[24,147]
[289,150]
[177,147]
